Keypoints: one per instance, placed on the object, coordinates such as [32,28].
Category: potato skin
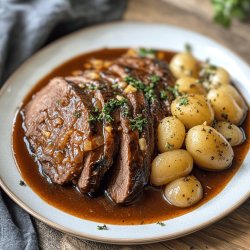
[192,110]
[227,104]
[233,134]
[209,149]
[189,85]
[216,76]
[171,134]
[169,166]
[184,64]
[184,191]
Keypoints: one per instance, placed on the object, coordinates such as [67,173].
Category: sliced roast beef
[146,141]
[127,177]
[58,129]
[73,145]
[93,173]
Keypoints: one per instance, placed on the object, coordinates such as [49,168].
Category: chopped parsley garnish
[174,91]
[134,82]
[22,183]
[143,52]
[138,123]
[183,101]
[148,90]
[77,114]
[104,227]
[108,108]
[188,47]
[111,106]
[94,115]
[92,87]
[154,79]
[163,95]
[161,223]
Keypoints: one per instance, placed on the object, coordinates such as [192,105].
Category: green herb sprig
[227,10]
[143,52]
[103,227]
[138,123]
[148,90]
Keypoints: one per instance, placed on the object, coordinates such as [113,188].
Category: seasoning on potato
[213,77]
[228,105]
[171,134]
[184,64]
[234,135]
[189,85]
[184,191]
[170,165]
[192,110]
[209,149]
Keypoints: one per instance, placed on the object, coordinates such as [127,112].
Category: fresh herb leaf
[148,90]
[138,123]
[22,183]
[134,82]
[92,87]
[104,227]
[174,91]
[227,10]
[94,115]
[161,223]
[108,108]
[163,95]
[188,47]
[183,101]
[143,52]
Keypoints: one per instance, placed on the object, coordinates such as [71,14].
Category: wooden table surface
[232,232]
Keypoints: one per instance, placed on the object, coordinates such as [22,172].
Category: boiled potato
[184,64]
[214,77]
[192,110]
[209,149]
[227,104]
[184,192]
[189,85]
[171,134]
[170,165]
[234,135]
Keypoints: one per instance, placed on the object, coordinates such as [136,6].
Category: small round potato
[171,134]
[189,85]
[184,192]
[214,77]
[209,149]
[170,165]
[184,64]
[227,104]
[234,135]
[219,77]
[192,110]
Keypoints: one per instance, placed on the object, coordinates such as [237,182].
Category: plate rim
[121,241]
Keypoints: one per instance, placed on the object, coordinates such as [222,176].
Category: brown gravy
[150,208]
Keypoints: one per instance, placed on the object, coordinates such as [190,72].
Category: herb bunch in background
[227,10]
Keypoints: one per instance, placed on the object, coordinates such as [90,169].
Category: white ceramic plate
[117,35]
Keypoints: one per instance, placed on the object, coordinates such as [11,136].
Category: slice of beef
[147,137]
[57,128]
[93,173]
[127,176]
